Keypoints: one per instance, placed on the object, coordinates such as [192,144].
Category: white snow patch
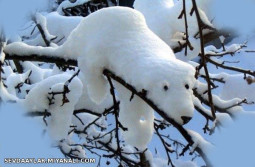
[68,4]
[162,18]
[199,142]
[61,115]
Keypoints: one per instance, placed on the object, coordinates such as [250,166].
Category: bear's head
[170,88]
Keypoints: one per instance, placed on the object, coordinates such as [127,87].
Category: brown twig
[203,59]
[244,71]
[184,13]
[165,144]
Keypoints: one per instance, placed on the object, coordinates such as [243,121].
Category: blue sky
[14,13]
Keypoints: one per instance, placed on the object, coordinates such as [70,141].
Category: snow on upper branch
[162,18]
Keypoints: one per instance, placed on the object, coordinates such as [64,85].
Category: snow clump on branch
[162,17]
[49,95]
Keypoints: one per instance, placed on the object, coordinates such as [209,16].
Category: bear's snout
[185,119]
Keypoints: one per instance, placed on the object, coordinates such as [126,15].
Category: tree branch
[244,71]
[41,58]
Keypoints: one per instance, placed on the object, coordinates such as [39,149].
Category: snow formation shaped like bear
[118,39]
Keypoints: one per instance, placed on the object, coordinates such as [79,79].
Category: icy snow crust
[118,39]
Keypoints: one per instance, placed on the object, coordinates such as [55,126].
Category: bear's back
[117,31]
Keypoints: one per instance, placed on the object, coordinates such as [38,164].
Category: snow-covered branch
[229,50]
[41,58]
[221,65]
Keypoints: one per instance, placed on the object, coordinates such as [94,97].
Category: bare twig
[244,71]
[203,60]
[184,13]
[165,144]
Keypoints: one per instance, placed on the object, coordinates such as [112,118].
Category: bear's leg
[137,116]
[96,83]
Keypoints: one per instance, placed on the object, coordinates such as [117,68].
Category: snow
[162,18]
[61,114]
[211,50]
[199,142]
[41,20]
[14,79]
[222,39]
[64,25]
[9,93]
[37,73]
[138,117]
[5,95]
[198,103]
[74,150]
[2,54]
[224,104]
[86,102]
[24,49]
[61,30]
[68,4]
[87,119]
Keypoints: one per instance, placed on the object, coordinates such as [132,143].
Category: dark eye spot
[187,86]
[165,87]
